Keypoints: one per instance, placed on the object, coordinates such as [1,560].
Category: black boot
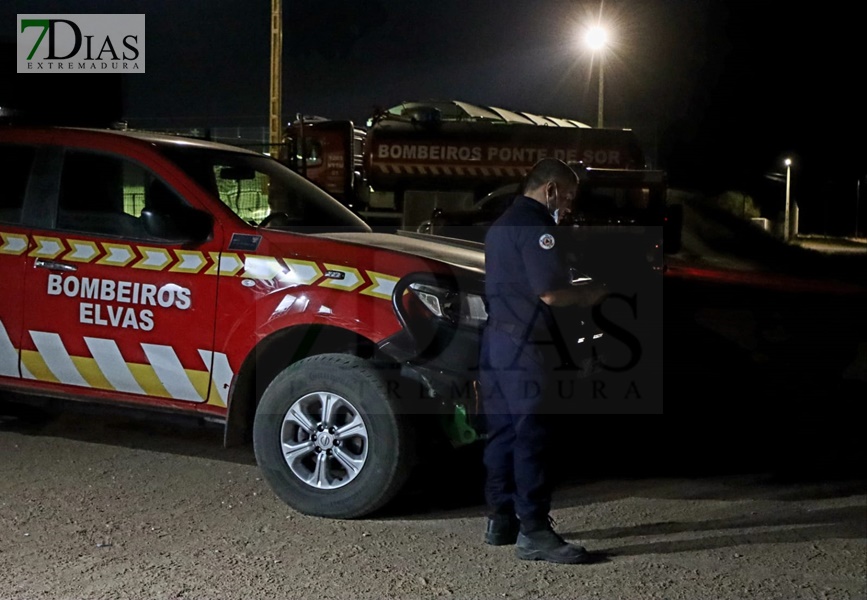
[545,544]
[501,530]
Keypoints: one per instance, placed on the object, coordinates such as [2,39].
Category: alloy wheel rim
[324,440]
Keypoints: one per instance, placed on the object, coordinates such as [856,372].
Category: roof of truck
[456,110]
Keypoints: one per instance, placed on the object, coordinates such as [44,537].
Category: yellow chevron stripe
[189,261]
[116,255]
[37,367]
[14,243]
[47,247]
[148,380]
[382,285]
[34,366]
[262,267]
[153,259]
[302,271]
[352,279]
[225,263]
[91,372]
[201,381]
[81,251]
[214,398]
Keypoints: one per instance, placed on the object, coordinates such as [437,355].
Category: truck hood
[455,253]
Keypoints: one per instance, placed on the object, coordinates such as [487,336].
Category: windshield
[627,205]
[263,192]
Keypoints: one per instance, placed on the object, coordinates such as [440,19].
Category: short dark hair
[549,169]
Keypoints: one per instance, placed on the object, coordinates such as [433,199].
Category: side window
[244,190]
[312,153]
[15,164]
[102,194]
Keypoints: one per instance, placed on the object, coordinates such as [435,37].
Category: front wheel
[329,440]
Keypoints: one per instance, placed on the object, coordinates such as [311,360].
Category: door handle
[53,265]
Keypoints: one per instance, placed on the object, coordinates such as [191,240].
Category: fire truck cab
[329,153]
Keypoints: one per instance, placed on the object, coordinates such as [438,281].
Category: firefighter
[525,278]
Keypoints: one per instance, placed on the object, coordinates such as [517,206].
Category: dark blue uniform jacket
[522,261]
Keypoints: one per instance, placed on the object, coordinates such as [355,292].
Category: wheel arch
[273,354]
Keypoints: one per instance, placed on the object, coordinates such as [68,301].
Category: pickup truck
[175,275]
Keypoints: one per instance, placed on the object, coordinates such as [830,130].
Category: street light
[788,163]
[596,39]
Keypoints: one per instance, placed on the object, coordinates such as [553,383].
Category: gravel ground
[113,508]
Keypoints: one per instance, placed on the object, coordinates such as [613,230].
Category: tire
[352,467]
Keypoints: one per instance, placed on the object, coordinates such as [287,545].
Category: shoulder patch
[546,242]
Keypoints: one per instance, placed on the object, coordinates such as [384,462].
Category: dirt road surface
[112,508]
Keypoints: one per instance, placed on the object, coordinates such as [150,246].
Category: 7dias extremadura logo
[81,43]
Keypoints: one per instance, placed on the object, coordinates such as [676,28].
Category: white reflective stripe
[171,372]
[119,255]
[383,285]
[13,243]
[301,272]
[8,355]
[230,264]
[262,267]
[56,358]
[110,361]
[190,261]
[47,247]
[221,372]
[153,258]
[82,251]
[351,278]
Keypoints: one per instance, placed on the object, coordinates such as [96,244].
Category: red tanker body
[419,156]
[456,145]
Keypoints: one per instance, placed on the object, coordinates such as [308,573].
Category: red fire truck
[418,156]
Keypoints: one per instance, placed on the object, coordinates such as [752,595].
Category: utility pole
[786,217]
[857,207]
[275,126]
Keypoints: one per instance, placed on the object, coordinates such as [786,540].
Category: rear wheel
[329,440]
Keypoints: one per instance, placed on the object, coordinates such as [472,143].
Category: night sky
[719,92]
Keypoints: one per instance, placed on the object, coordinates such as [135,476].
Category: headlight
[455,307]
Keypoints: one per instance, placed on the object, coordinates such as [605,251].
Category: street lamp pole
[596,39]
[788,163]
[275,123]
[599,121]
[857,206]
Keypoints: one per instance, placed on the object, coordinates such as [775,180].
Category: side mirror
[188,226]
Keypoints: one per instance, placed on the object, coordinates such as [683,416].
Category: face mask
[556,216]
[556,210]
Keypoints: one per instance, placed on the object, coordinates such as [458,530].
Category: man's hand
[580,295]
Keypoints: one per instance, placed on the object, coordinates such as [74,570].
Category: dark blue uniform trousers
[513,379]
